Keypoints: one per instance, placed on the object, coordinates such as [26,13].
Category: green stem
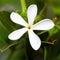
[45,53]
[42,10]
[23,5]
[42,32]
[8,47]
[49,42]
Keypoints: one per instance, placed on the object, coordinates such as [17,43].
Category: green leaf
[53,52]
[6,26]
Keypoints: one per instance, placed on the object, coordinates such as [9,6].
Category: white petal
[16,18]
[34,40]
[17,34]
[31,13]
[45,24]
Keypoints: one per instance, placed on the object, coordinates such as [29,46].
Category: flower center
[29,26]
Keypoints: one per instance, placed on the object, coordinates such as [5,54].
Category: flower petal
[16,18]
[45,24]
[17,34]
[34,40]
[31,13]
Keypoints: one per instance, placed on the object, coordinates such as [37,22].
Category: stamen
[29,26]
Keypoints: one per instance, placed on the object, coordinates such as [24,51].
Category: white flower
[45,24]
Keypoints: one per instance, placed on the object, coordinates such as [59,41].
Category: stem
[45,53]
[42,32]
[49,42]
[58,27]
[42,10]
[8,47]
[23,5]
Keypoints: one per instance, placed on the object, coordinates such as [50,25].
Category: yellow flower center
[29,26]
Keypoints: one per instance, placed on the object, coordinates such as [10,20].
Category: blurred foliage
[21,49]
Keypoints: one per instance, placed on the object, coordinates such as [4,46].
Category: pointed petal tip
[52,23]
[33,5]
[9,37]
[37,48]
[12,13]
